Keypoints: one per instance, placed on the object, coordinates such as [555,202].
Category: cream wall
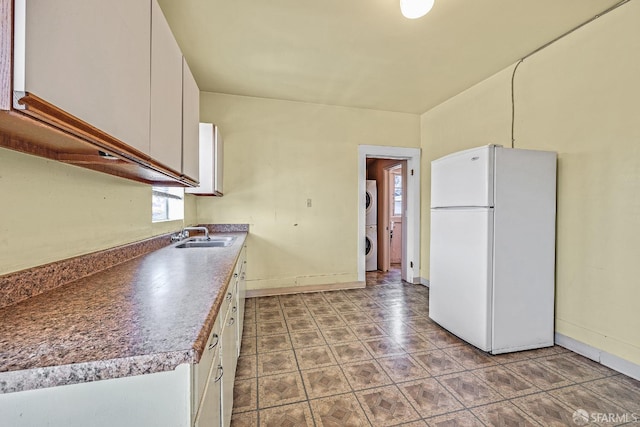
[52,211]
[581,98]
[478,116]
[278,154]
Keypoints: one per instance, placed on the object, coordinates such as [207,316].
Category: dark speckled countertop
[146,315]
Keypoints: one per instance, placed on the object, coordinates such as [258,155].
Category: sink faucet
[184,233]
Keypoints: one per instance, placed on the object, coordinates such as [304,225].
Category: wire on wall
[513,103]
[513,76]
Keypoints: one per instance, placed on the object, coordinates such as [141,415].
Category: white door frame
[411,229]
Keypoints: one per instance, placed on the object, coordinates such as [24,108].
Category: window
[167,203]
[397,193]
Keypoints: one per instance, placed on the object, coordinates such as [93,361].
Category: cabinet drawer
[228,301]
[242,259]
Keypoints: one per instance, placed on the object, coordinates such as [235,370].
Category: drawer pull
[235,274]
[214,343]
[216,379]
[229,296]
[231,321]
[234,309]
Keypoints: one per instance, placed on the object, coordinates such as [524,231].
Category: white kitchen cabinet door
[210,414]
[90,58]
[229,360]
[218,162]
[190,124]
[208,358]
[211,158]
[166,92]
[241,294]
[151,400]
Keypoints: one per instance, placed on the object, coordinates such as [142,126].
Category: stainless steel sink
[202,242]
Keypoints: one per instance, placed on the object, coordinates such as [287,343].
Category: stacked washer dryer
[371,244]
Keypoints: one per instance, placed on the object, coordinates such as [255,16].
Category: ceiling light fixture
[414,9]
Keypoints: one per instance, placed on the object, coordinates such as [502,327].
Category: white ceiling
[362,53]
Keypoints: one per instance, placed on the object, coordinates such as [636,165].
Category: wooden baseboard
[251,293]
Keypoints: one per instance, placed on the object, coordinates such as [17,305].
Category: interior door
[396,239]
[403,232]
[396,211]
[461,273]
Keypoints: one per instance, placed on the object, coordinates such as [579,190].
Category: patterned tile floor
[372,357]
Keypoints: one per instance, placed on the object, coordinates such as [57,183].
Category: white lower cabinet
[216,404]
[229,362]
[191,395]
[206,371]
[159,399]
[210,413]
[241,294]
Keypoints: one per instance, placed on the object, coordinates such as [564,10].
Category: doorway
[386,176]
[409,233]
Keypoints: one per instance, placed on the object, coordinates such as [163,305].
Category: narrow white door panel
[190,124]
[166,93]
[463,179]
[460,273]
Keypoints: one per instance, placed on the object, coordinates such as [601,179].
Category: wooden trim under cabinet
[44,130]
[215,193]
[31,125]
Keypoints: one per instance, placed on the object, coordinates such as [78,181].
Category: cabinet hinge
[411,264]
[411,172]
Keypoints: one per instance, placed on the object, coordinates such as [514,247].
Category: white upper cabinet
[102,85]
[166,93]
[91,58]
[190,123]
[211,161]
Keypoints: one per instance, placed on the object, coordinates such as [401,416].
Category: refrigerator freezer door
[461,273]
[463,179]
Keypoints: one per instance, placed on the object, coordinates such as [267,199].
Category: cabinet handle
[235,274]
[234,309]
[229,296]
[213,344]
[231,321]
[216,379]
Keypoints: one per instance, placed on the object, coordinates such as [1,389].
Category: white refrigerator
[492,259]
